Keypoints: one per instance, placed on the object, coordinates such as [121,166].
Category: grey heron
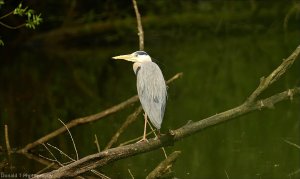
[151,87]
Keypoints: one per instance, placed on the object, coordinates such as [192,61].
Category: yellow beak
[128,57]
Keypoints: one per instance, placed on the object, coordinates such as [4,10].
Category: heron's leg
[145,127]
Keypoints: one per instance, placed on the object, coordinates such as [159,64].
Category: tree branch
[105,157]
[9,151]
[274,76]
[139,25]
[164,166]
[87,119]
[130,119]
[192,128]
[12,27]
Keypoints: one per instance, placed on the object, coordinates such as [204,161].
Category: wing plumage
[152,92]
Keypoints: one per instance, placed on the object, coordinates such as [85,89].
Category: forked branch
[274,76]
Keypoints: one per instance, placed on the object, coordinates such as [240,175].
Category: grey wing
[152,92]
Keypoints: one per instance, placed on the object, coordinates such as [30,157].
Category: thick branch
[87,119]
[103,158]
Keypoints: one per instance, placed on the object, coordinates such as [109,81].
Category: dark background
[64,70]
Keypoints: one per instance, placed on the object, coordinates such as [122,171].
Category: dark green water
[222,56]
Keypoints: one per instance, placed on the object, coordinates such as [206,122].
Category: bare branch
[227,176]
[42,160]
[46,168]
[9,151]
[233,113]
[71,139]
[100,175]
[274,76]
[164,166]
[54,158]
[61,152]
[139,25]
[8,148]
[97,143]
[175,77]
[12,27]
[292,144]
[130,174]
[87,119]
[162,148]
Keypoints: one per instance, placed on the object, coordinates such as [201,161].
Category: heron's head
[138,56]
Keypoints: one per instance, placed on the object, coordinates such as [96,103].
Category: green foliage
[33,19]
[20,11]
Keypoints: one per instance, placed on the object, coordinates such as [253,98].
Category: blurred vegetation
[64,70]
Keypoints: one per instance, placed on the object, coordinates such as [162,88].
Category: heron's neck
[136,65]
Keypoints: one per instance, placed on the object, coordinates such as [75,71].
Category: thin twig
[12,27]
[45,161]
[9,151]
[129,120]
[6,15]
[162,148]
[54,158]
[8,148]
[175,77]
[88,119]
[139,25]
[71,139]
[97,143]
[130,173]
[292,144]
[294,173]
[47,158]
[42,160]
[68,162]
[101,175]
[292,10]
[61,152]
[164,166]
[46,168]
[72,160]
[226,174]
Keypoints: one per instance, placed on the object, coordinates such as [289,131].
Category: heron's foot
[143,140]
